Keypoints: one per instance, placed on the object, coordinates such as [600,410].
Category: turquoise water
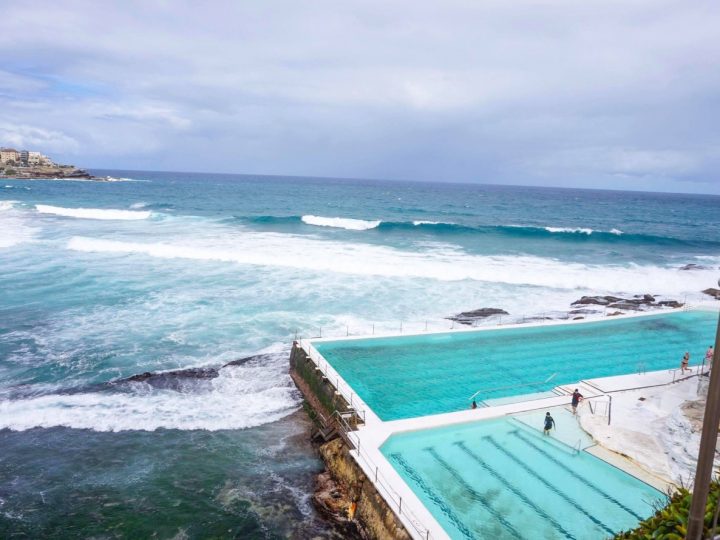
[402,377]
[501,479]
[177,271]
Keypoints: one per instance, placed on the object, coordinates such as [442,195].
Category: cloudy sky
[606,94]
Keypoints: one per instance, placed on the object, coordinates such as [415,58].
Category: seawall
[354,499]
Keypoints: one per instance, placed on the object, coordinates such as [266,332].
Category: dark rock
[638,302]
[670,303]
[583,311]
[715,293]
[172,380]
[578,318]
[693,266]
[242,361]
[597,300]
[614,313]
[468,317]
[628,305]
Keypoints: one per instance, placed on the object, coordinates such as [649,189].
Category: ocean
[160,273]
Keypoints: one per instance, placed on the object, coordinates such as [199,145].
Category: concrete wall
[373,517]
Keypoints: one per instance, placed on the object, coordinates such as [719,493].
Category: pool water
[501,479]
[407,376]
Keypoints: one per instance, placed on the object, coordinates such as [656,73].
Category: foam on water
[93,213]
[341,223]
[13,227]
[291,251]
[240,397]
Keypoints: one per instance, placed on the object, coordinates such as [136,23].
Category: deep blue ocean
[101,281]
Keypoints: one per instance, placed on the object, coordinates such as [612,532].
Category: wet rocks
[596,300]
[637,303]
[715,293]
[693,266]
[469,317]
[173,380]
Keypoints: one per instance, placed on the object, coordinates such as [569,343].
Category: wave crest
[340,223]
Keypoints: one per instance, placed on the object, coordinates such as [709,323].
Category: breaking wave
[291,251]
[340,223]
[93,213]
[239,397]
[444,228]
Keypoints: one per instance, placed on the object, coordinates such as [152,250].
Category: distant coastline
[33,165]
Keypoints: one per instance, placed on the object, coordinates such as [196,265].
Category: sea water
[160,272]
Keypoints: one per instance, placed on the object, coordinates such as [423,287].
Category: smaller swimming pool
[504,479]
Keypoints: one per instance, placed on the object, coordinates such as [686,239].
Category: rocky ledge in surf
[638,302]
[470,317]
[715,293]
[176,380]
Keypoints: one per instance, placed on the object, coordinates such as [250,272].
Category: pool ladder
[577,446]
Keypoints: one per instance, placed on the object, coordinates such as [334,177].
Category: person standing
[684,364]
[549,424]
[577,397]
[709,357]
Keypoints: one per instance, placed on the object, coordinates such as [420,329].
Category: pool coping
[373,432]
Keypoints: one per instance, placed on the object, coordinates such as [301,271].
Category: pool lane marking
[518,493]
[535,475]
[412,473]
[582,479]
[473,493]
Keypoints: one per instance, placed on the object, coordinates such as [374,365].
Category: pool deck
[374,432]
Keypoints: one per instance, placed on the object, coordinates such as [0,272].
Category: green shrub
[670,522]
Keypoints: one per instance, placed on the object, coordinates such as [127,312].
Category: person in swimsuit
[577,397]
[549,424]
[684,363]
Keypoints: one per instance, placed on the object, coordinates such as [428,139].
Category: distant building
[8,155]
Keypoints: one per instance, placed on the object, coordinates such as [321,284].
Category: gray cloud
[589,94]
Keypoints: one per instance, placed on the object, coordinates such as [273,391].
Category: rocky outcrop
[470,317]
[180,379]
[636,303]
[374,518]
[693,266]
[715,293]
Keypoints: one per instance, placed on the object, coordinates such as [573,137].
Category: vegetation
[670,522]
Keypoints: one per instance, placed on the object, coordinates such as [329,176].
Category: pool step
[586,389]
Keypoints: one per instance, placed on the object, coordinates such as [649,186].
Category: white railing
[381,483]
[602,399]
[415,326]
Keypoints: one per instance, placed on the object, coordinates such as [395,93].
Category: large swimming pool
[406,376]
[502,479]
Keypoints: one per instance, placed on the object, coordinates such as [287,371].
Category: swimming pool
[407,376]
[501,479]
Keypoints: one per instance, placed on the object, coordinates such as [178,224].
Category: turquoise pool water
[500,479]
[406,376]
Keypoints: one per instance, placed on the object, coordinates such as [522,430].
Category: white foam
[341,223]
[13,229]
[290,251]
[138,205]
[423,222]
[569,230]
[7,205]
[93,213]
[240,397]
[616,231]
